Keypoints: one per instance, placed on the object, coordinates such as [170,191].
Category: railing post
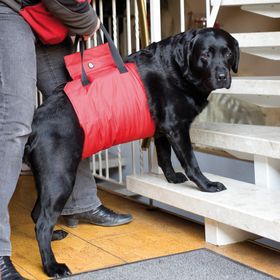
[155,37]
[155,20]
[182,16]
[211,15]
[145,36]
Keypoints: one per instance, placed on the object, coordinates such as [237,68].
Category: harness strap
[85,79]
[114,52]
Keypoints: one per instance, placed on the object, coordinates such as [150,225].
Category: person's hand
[86,37]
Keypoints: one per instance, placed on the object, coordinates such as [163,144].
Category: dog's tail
[26,154]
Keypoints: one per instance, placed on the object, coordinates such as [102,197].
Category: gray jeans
[23,64]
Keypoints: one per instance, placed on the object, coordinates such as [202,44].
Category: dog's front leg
[181,144]
[164,161]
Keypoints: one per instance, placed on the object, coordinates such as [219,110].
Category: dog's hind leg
[54,166]
[54,193]
[57,234]
[54,151]
[36,210]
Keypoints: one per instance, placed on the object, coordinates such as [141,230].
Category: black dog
[178,73]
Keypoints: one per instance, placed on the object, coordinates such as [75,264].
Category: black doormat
[201,264]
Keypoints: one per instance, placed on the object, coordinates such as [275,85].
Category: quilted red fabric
[113,109]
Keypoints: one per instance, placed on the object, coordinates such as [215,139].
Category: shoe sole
[73,223]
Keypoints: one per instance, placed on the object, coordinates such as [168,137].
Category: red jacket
[113,109]
[51,20]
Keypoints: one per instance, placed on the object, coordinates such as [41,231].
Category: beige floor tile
[149,242]
[78,254]
[24,273]
[142,219]
[19,215]
[25,194]
[151,234]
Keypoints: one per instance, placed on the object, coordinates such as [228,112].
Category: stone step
[262,91]
[244,206]
[251,139]
[263,44]
[269,8]
[244,2]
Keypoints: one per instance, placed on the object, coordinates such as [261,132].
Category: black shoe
[101,216]
[8,271]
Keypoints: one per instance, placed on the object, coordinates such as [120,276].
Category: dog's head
[206,57]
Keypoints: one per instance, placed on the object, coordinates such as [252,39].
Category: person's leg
[17,104]
[83,204]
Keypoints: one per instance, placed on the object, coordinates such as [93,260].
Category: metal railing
[113,164]
[211,14]
[109,164]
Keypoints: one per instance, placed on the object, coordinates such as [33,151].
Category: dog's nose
[222,77]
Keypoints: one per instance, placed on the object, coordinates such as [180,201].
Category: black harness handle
[85,79]
[114,52]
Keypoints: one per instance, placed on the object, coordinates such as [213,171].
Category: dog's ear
[183,50]
[236,55]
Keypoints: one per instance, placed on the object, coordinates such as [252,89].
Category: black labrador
[178,73]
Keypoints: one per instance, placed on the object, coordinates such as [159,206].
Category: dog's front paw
[57,270]
[176,178]
[214,187]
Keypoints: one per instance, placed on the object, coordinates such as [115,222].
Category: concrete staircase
[270,8]
[244,206]
[245,210]
[262,91]
[263,44]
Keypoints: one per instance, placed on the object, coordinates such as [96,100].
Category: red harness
[113,108]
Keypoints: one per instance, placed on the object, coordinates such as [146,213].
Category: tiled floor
[151,234]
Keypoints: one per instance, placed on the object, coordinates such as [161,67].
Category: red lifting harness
[113,107]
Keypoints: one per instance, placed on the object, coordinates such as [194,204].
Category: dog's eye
[205,56]
[229,54]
